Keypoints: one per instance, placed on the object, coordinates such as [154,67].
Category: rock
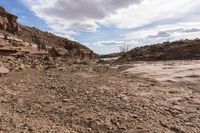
[123,96]
[4,70]
[53,52]
[65,100]
[50,67]
[19,68]
[61,68]
[108,124]
[135,116]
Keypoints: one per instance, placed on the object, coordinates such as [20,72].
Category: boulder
[53,52]
[3,70]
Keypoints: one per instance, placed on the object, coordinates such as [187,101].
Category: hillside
[31,35]
[177,50]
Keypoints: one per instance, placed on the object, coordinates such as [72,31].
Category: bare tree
[124,48]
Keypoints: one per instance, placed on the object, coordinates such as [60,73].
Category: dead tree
[124,48]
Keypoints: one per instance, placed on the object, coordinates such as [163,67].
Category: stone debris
[3,70]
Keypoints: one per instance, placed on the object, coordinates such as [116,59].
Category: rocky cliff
[9,25]
[8,21]
[33,35]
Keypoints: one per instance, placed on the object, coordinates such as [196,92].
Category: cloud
[160,35]
[169,33]
[156,12]
[106,47]
[76,15]
[192,30]
[86,9]
[164,32]
[116,43]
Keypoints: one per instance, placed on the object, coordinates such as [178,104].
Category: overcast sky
[103,25]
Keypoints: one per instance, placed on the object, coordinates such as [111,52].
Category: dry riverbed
[138,97]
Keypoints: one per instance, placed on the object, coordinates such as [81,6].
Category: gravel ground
[96,99]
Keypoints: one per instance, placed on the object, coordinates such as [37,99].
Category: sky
[105,25]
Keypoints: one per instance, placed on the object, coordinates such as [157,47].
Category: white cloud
[75,15]
[116,43]
[161,33]
[153,11]
[106,47]
[170,28]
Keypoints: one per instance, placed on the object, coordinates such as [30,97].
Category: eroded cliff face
[49,40]
[8,24]
[8,21]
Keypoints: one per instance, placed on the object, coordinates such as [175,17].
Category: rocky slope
[177,50]
[10,27]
